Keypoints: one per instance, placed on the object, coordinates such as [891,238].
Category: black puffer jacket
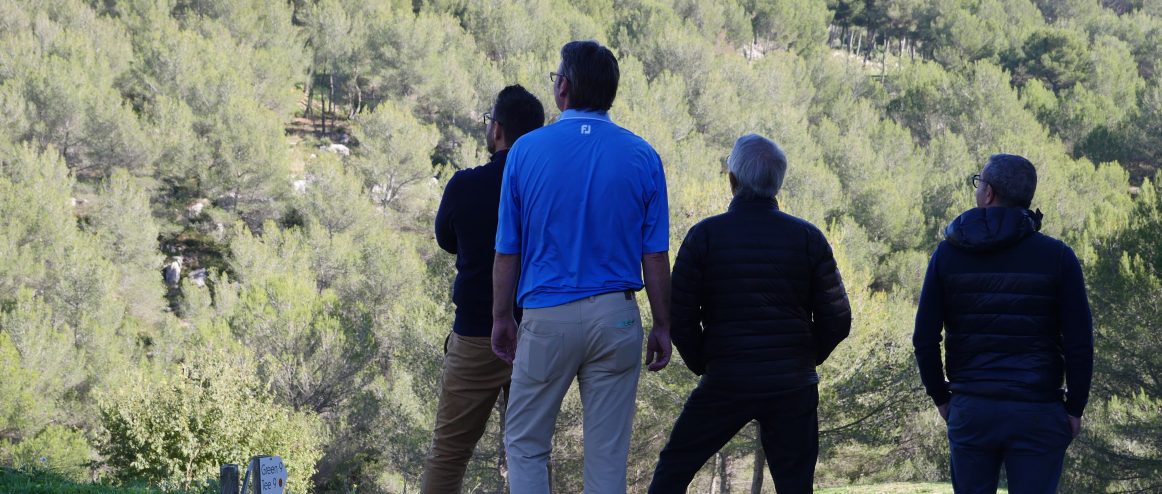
[1012,304]
[758,301]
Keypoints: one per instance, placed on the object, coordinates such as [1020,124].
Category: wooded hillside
[216,215]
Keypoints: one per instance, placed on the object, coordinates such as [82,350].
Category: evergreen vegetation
[308,316]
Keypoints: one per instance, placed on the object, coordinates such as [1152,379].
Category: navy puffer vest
[1001,281]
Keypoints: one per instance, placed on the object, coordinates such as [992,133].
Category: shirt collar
[574,113]
[740,202]
[499,156]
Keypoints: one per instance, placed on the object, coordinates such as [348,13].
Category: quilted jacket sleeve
[830,310]
[686,303]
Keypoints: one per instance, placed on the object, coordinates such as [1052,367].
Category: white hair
[759,165]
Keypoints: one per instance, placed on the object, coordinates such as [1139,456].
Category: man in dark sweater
[473,376]
[1012,303]
[757,303]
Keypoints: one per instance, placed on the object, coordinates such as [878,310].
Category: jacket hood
[990,229]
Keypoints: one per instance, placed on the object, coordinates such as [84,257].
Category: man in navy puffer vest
[1019,337]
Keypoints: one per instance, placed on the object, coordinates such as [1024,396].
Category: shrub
[55,449]
[179,430]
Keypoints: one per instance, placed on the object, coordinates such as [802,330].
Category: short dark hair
[592,73]
[518,111]
[1013,179]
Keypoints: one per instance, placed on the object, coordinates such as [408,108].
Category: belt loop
[628,294]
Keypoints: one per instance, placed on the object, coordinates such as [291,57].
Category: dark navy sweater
[466,226]
[1012,305]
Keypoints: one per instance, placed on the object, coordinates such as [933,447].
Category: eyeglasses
[555,76]
[488,118]
[975,181]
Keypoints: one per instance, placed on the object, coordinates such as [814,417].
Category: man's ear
[990,196]
[498,135]
[564,88]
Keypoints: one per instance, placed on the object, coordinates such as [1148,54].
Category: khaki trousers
[598,341]
[472,379]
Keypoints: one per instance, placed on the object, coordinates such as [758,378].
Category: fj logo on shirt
[585,129]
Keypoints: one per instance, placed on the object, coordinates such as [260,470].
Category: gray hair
[759,165]
[1013,179]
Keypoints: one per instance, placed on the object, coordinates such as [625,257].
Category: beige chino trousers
[598,341]
[473,377]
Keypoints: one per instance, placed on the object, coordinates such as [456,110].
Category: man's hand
[504,339]
[656,273]
[505,272]
[658,348]
[943,409]
[1075,425]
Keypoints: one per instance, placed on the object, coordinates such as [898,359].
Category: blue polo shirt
[581,201]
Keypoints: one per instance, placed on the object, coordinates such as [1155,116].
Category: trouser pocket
[621,334]
[538,348]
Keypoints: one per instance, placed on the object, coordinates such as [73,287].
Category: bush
[55,449]
[178,431]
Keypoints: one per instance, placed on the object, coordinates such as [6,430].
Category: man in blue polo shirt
[583,213]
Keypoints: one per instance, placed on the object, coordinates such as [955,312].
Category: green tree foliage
[18,406]
[60,307]
[957,33]
[865,397]
[47,367]
[1127,280]
[310,358]
[1122,452]
[135,131]
[64,76]
[799,25]
[122,221]
[1054,55]
[1147,128]
[181,428]
[394,156]
[55,449]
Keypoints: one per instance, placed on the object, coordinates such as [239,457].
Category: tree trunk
[859,44]
[331,97]
[884,65]
[323,112]
[310,90]
[358,98]
[502,460]
[722,472]
[760,460]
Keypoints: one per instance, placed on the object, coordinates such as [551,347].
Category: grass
[897,488]
[39,482]
[16,481]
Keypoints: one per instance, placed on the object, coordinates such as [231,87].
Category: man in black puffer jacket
[757,303]
[1012,303]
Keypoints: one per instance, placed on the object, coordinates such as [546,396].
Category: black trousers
[788,429]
